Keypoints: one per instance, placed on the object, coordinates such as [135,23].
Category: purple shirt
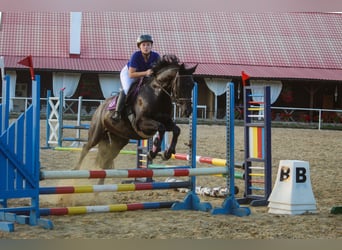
[137,61]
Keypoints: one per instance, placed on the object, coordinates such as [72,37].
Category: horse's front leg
[175,134]
[157,141]
[152,127]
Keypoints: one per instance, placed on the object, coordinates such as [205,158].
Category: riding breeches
[126,81]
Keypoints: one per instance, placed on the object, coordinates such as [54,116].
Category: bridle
[173,93]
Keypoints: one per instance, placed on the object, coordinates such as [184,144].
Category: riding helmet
[144,38]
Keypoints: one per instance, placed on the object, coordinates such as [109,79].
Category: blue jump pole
[230,204]
[191,200]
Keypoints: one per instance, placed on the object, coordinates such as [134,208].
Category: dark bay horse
[150,112]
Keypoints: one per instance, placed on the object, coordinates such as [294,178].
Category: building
[298,54]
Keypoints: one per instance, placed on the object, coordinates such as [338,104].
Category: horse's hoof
[148,156]
[151,155]
[166,155]
[236,190]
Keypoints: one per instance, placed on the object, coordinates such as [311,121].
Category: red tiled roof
[69,64]
[269,45]
[256,71]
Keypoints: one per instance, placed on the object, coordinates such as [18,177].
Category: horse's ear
[193,69]
[188,70]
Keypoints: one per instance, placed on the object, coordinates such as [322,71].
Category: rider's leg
[120,103]
[126,83]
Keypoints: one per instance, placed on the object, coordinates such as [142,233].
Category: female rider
[139,65]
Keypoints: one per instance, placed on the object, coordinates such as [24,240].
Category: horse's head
[182,89]
[177,81]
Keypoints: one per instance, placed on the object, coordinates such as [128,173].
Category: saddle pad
[112,104]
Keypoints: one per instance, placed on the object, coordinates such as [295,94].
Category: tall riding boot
[120,103]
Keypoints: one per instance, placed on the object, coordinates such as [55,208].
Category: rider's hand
[149,72]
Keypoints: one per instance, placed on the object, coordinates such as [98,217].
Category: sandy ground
[320,148]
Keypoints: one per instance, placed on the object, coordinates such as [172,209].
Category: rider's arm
[134,74]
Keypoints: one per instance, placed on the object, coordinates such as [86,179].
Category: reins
[173,94]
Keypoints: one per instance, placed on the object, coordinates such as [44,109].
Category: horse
[145,114]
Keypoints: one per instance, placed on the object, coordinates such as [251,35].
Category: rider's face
[145,47]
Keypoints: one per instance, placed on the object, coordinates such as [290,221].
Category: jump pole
[124,152]
[111,188]
[207,160]
[130,173]
[104,208]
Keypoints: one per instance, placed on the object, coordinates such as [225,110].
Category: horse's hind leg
[84,152]
[95,134]
[93,140]
[108,150]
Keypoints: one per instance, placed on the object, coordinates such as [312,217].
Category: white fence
[321,117]
[317,118]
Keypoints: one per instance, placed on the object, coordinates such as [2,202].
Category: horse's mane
[165,61]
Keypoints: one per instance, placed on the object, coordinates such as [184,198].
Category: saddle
[130,98]
[134,90]
[131,95]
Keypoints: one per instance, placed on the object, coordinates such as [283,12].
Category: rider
[139,65]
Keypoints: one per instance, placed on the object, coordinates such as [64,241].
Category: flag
[27,61]
[245,78]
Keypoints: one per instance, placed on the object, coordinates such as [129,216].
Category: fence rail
[306,117]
